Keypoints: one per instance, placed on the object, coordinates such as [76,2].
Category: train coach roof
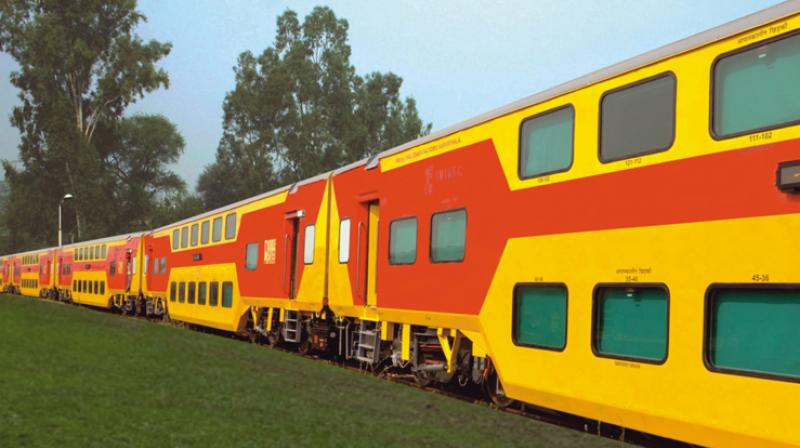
[681,46]
[698,40]
[108,239]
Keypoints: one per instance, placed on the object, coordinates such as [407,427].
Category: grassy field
[71,376]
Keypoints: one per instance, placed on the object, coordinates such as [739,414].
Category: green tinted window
[757,89]
[213,293]
[201,293]
[251,256]
[631,322]
[448,236]
[546,142]
[540,316]
[403,241]
[227,294]
[638,119]
[755,330]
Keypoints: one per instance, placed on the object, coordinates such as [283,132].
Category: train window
[191,294]
[112,268]
[448,236]
[754,331]
[344,240]
[155,265]
[308,244]
[164,265]
[104,249]
[631,322]
[175,239]
[201,292]
[230,226]
[74,285]
[251,256]
[102,287]
[97,251]
[184,237]
[213,293]
[195,229]
[216,231]
[227,294]
[756,89]
[638,119]
[204,232]
[546,142]
[144,264]
[540,316]
[172,291]
[133,265]
[403,241]
[182,292]
[85,286]
[91,253]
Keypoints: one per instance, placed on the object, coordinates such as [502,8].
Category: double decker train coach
[105,273]
[618,247]
[245,266]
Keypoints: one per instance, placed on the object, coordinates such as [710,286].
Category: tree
[81,66]
[300,109]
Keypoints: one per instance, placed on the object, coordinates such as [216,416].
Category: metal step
[368,342]
[291,327]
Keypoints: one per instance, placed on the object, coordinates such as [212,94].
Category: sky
[458,58]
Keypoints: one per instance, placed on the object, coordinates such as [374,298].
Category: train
[618,247]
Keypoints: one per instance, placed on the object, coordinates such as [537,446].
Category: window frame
[708,315]
[416,241]
[595,314]
[665,74]
[566,314]
[713,91]
[430,236]
[520,138]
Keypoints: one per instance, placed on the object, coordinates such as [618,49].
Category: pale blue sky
[457,58]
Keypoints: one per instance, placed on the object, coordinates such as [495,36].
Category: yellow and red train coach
[618,247]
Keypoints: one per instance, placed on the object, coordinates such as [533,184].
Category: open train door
[290,252]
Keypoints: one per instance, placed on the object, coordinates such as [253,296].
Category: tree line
[297,109]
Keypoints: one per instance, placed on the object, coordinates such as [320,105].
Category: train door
[290,253]
[372,254]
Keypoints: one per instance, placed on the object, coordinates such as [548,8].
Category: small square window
[631,322]
[546,143]
[448,236]
[540,316]
[403,241]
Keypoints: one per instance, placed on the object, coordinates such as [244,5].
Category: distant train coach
[619,247]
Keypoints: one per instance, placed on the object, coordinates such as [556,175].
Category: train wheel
[274,338]
[494,392]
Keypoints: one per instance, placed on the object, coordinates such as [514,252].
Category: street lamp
[65,198]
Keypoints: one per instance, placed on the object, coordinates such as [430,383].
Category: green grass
[72,376]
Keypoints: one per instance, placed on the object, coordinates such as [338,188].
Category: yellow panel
[680,398]
[340,292]
[693,72]
[217,316]
[312,282]
[372,255]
